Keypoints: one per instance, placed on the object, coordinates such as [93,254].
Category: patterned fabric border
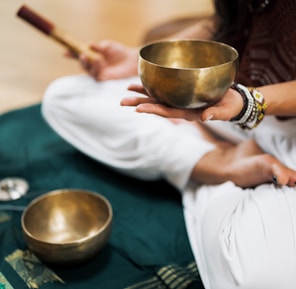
[4,284]
[30,269]
[171,277]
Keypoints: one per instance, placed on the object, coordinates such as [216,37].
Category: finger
[138,88]
[134,101]
[283,176]
[70,54]
[85,63]
[94,70]
[168,112]
[292,181]
[216,112]
[102,46]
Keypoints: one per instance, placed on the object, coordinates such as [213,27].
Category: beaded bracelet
[254,107]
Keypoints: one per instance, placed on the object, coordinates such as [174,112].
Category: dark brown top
[270,49]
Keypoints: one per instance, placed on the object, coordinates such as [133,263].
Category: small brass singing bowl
[187,73]
[67,226]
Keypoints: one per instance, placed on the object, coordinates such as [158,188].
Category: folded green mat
[148,248]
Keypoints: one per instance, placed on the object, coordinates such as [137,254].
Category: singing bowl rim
[80,240]
[211,42]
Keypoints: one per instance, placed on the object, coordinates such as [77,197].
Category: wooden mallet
[51,30]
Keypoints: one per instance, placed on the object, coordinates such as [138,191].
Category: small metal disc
[12,188]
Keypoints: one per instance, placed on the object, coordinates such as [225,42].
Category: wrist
[254,106]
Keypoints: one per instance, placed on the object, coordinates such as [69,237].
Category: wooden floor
[29,60]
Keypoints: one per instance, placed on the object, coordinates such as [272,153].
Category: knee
[61,93]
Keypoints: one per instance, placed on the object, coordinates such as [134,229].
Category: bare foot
[244,164]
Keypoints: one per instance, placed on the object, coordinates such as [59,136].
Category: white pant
[240,238]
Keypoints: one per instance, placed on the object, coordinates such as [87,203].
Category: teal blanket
[148,247]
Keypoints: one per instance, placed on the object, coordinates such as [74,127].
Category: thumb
[215,113]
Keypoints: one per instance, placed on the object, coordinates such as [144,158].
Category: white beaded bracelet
[254,107]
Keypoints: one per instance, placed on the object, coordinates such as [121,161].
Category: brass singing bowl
[67,226]
[187,73]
